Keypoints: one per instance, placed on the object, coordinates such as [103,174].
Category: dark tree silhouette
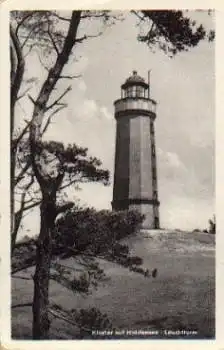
[171,31]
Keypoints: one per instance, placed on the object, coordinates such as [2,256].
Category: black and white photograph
[112,174]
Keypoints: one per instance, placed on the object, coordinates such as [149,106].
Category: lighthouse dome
[135,78]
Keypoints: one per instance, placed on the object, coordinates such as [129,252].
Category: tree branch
[18,76]
[22,21]
[56,102]
[21,305]
[50,118]
[15,142]
[136,13]
[70,77]
[41,62]
[52,39]
[150,32]
[26,38]
[22,278]
[66,319]
[23,94]
[31,206]
[22,173]
[60,316]
[95,14]
[80,40]
[61,18]
[19,215]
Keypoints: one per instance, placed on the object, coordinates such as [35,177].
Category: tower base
[150,212]
[151,221]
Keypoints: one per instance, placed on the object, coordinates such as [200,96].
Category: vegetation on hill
[83,235]
[181,297]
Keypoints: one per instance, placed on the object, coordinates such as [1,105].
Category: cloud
[87,109]
[82,85]
[170,160]
[174,160]
[105,113]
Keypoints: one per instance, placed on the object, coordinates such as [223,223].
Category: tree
[50,183]
[40,31]
[171,30]
[17,71]
[212,225]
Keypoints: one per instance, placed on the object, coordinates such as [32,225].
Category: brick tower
[135,175]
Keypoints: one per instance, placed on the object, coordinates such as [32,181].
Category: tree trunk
[17,72]
[48,187]
[41,322]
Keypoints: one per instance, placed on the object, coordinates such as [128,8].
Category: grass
[181,297]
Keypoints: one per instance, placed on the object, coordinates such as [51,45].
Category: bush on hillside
[95,230]
[196,230]
[135,260]
[89,320]
[80,284]
[120,250]
[212,226]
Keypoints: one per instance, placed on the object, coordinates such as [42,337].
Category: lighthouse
[135,173]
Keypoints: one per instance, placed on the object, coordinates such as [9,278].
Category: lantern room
[135,87]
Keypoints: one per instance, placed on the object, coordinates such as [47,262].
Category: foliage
[135,260]
[212,225]
[171,31]
[82,321]
[120,250]
[89,320]
[84,232]
[47,29]
[96,230]
[74,161]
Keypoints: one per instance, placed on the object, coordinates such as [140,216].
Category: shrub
[138,269]
[80,284]
[96,230]
[212,226]
[90,319]
[123,223]
[120,250]
[135,260]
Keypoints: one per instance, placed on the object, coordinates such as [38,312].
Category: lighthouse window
[129,91]
[135,91]
[155,195]
[139,91]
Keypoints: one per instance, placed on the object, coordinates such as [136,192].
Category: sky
[184,88]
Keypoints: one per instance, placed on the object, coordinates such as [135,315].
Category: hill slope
[181,297]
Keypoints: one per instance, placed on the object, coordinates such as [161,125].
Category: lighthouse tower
[135,175]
